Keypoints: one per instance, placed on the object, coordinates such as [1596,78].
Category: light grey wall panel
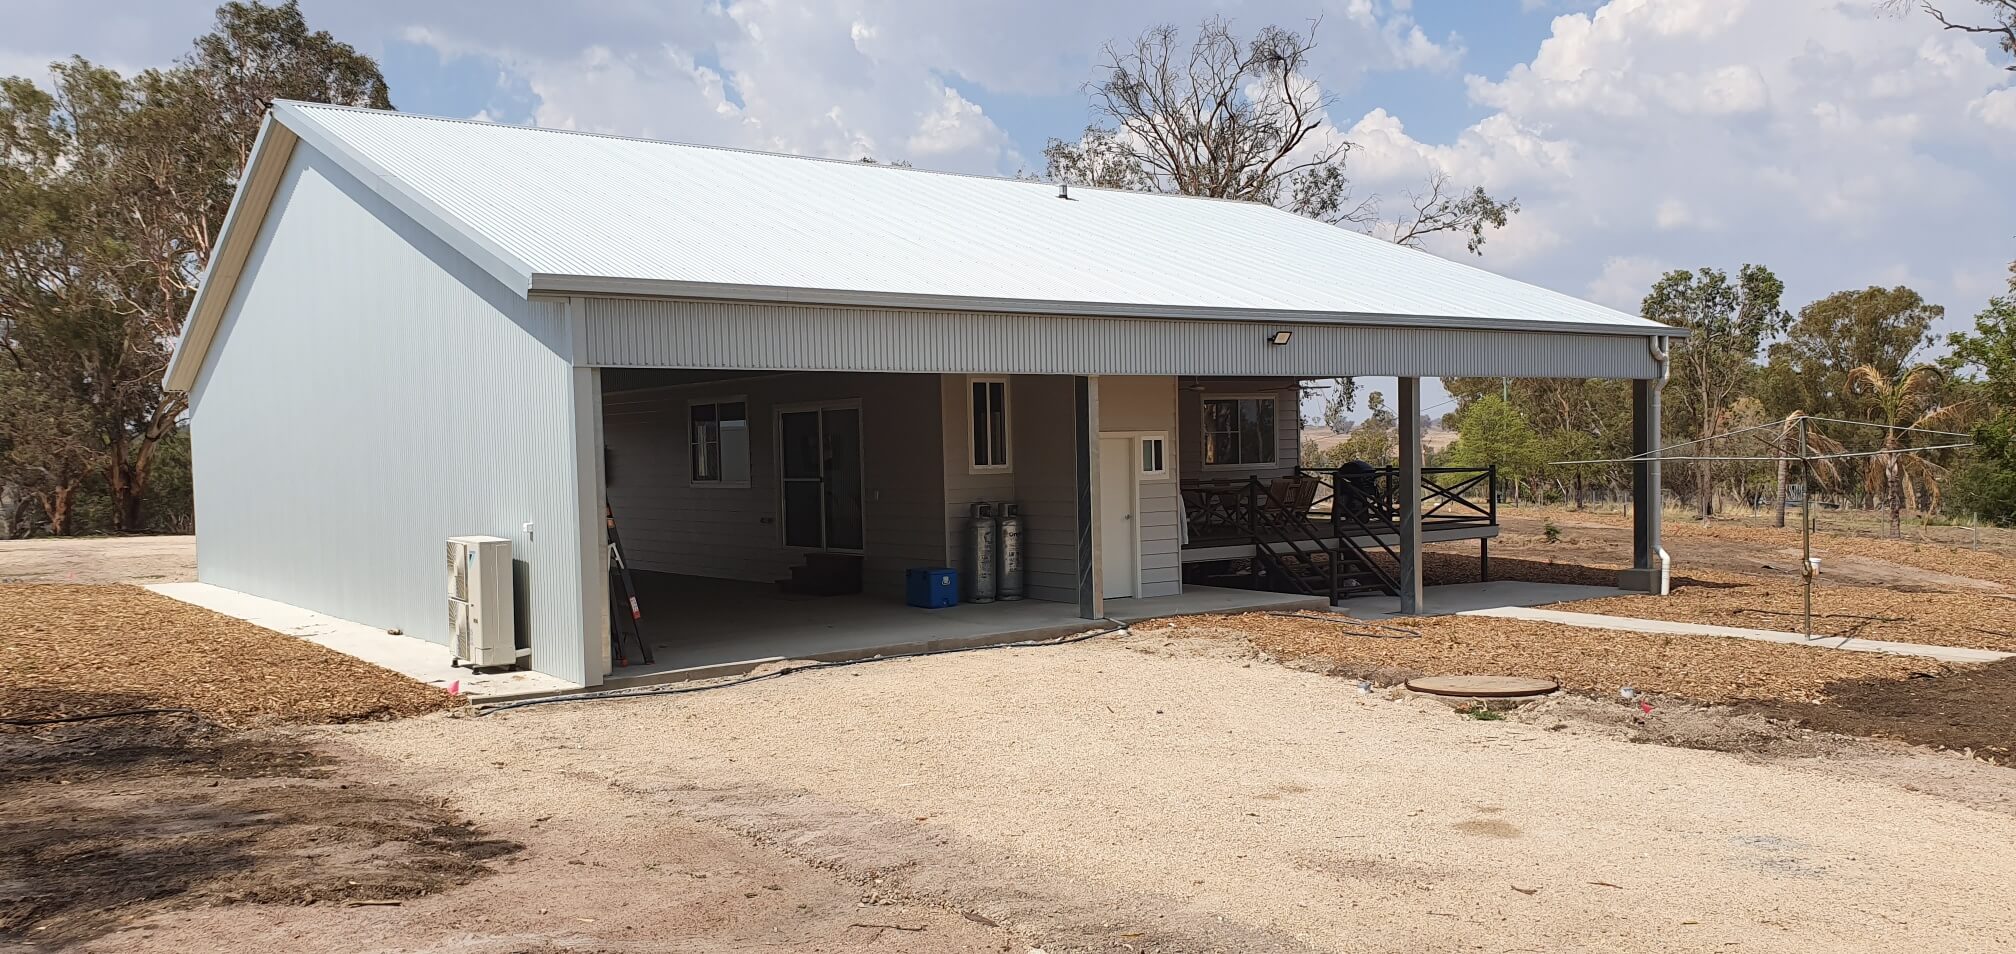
[672,525]
[1161,543]
[670,333]
[1046,484]
[372,393]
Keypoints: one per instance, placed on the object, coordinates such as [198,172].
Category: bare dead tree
[1230,119]
[1222,118]
[1237,120]
[1444,208]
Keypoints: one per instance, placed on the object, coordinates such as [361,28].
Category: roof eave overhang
[271,150]
[589,285]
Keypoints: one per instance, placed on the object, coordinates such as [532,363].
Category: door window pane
[801,513]
[843,479]
[799,437]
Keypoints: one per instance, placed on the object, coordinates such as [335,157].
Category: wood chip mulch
[1958,557]
[68,649]
[1970,619]
[1595,661]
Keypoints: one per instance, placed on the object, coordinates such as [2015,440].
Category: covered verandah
[1080,366]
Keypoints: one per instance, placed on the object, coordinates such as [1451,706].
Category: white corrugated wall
[371,394]
[667,333]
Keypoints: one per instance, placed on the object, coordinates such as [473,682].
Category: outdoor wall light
[1280,337]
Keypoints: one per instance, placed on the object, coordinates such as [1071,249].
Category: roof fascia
[544,282]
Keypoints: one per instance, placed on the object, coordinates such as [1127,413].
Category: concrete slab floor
[702,628]
[418,659]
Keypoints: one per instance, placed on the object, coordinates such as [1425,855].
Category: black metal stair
[1290,553]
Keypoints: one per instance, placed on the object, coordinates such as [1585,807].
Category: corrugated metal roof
[590,213]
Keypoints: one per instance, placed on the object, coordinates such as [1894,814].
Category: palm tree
[1910,400]
[1787,446]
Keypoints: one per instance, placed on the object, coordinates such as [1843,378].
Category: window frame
[1204,432]
[1141,471]
[693,479]
[1007,463]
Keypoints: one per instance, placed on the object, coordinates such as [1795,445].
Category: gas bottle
[983,567]
[1011,552]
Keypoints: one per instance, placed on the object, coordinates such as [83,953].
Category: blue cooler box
[931,587]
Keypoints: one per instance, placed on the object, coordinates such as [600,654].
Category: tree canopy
[115,188]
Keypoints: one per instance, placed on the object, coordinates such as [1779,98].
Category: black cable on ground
[675,689]
[88,717]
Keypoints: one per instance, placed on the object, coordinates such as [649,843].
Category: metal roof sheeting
[591,213]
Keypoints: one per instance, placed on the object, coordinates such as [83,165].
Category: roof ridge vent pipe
[1063,190]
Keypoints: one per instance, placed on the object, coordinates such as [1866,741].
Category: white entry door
[1119,532]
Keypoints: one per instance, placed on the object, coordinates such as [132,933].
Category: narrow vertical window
[706,442]
[1153,463]
[987,401]
[719,441]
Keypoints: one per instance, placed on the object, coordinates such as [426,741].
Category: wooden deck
[1357,506]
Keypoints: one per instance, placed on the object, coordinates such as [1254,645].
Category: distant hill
[1436,439]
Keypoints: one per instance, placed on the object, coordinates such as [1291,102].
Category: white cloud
[1674,214]
[1814,136]
[1624,280]
[1996,109]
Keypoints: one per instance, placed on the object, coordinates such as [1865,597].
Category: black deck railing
[1361,502]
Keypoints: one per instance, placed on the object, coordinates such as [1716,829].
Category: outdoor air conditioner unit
[482,622]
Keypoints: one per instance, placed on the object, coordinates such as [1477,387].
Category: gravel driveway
[1118,794]
[98,560]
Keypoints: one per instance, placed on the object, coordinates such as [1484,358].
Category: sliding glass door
[819,460]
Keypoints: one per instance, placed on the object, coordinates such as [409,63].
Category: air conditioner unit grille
[481,611]
[458,570]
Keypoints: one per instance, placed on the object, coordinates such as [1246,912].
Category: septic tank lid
[1483,687]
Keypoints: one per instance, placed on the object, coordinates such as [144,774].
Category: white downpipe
[1659,353]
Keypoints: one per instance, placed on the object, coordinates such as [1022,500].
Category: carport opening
[775,514]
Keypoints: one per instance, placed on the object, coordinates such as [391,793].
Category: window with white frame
[987,440]
[1238,431]
[1154,456]
[719,437]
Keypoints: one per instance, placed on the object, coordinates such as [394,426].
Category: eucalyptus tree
[115,191]
[1987,484]
[1727,323]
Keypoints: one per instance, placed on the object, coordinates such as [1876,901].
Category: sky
[1840,144]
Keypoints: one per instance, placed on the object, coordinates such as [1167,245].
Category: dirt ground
[237,825]
[1738,575]
[98,560]
[102,823]
[1159,794]
[1174,790]
[183,836]
[1751,547]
